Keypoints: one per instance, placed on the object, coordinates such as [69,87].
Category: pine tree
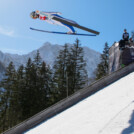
[20,91]
[102,68]
[45,86]
[26,92]
[6,101]
[60,75]
[37,60]
[70,73]
[2,67]
[35,94]
[78,73]
[39,93]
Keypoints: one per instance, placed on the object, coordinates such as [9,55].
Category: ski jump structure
[70,101]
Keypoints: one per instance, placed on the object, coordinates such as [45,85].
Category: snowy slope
[109,111]
[48,53]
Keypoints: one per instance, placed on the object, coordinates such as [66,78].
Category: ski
[62,20]
[62,32]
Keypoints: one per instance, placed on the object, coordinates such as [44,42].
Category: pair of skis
[62,32]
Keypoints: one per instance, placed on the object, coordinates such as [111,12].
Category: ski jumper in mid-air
[55,18]
[48,17]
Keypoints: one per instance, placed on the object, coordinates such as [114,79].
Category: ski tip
[31,28]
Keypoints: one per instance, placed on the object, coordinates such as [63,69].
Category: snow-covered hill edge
[48,53]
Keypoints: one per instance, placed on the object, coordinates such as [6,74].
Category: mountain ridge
[48,53]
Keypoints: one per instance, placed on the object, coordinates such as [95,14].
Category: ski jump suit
[48,17]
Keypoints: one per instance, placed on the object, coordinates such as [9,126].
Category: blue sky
[109,17]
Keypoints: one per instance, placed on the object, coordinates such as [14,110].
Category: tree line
[35,87]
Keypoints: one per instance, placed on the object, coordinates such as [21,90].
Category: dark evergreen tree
[6,101]
[36,93]
[20,91]
[28,90]
[40,84]
[60,75]
[2,67]
[37,61]
[45,86]
[31,89]
[78,73]
[102,68]
[70,74]
[25,92]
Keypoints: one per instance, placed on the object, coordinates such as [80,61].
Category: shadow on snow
[130,129]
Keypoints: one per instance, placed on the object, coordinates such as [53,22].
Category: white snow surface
[109,111]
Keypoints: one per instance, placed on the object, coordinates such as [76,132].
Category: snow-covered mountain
[48,53]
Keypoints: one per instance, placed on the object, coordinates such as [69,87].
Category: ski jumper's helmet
[34,15]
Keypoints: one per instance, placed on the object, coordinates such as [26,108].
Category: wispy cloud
[13,51]
[7,31]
